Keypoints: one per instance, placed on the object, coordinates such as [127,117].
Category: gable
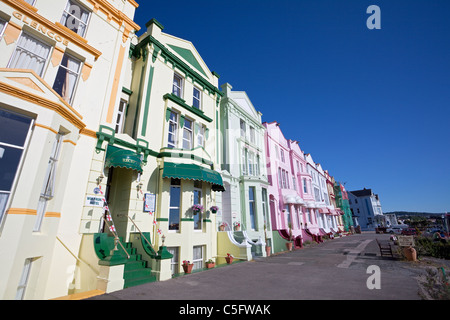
[187,55]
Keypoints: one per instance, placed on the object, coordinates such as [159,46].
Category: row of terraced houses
[121,157]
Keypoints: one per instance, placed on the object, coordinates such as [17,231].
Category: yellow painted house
[59,81]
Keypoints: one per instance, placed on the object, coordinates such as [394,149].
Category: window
[48,189]
[197,99]
[15,130]
[197,257]
[264,206]
[173,129]
[252,208]
[3,24]
[244,161]
[280,184]
[257,166]
[23,282]
[177,87]
[201,136]
[31,54]
[174,261]
[75,17]
[67,77]
[32,2]
[187,134]
[198,200]
[282,155]
[288,214]
[277,152]
[174,204]
[121,116]
[294,183]
[243,129]
[250,163]
[305,188]
[252,134]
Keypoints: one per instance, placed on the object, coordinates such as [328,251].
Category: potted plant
[197,208]
[268,247]
[214,209]
[222,226]
[289,243]
[237,225]
[187,266]
[210,264]
[229,258]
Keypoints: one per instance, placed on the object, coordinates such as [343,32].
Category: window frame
[198,262]
[180,88]
[175,184]
[120,123]
[198,219]
[190,132]
[175,124]
[195,99]
[78,73]
[82,7]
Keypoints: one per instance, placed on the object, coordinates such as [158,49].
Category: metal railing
[116,239]
[139,230]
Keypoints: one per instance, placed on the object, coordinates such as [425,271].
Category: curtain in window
[75,18]
[67,77]
[30,54]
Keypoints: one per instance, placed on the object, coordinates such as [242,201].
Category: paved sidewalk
[334,270]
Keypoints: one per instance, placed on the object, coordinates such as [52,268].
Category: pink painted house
[290,190]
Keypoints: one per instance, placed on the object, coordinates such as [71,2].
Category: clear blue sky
[371,106]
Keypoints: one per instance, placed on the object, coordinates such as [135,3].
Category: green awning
[117,157]
[193,172]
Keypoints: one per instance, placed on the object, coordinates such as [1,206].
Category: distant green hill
[409,213]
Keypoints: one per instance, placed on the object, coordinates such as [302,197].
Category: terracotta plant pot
[222,228]
[229,260]
[188,268]
[210,265]
[289,246]
[236,228]
[410,253]
[268,251]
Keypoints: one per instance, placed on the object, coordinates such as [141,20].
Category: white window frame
[70,16]
[120,118]
[199,214]
[242,125]
[23,282]
[198,262]
[30,2]
[252,135]
[48,188]
[201,135]
[190,133]
[77,73]
[175,132]
[197,100]
[2,31]
[178,186]
[19,165]
[179,87]
[244,161]
[31,53]
[252,203]
[174,261]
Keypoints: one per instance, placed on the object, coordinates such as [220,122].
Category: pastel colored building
[342,200]
[61,76]
[366,205]
[244,203]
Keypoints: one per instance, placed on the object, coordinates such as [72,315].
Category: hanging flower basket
[197,208]
[214,209]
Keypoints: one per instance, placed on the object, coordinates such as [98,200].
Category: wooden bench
[385,248]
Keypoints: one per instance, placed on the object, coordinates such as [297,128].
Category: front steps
[136,270]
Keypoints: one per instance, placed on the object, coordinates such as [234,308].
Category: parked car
[394,230]
[409,232]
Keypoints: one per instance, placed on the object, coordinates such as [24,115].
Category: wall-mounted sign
[93,201]
[149,202]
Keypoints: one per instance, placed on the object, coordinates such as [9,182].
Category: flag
[154,222]
[108,217]
[112,229]
[159,231]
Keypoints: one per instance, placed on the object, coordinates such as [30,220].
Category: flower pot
[268,251]
[210,265]
[410,253]
[188,268]
[236,228]
[229,260]
[214,211]
[222,228]
[289,246]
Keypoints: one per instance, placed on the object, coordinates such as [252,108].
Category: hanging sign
[149,202]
